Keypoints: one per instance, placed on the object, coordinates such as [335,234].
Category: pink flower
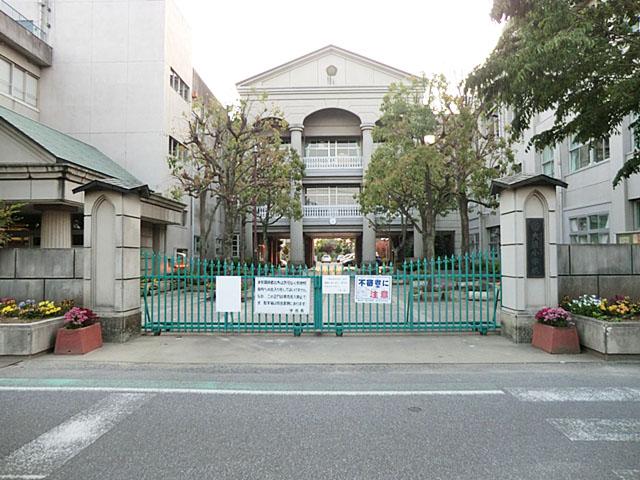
[79,317]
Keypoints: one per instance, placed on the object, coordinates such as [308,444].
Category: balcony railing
[331,211]
[22,20]
[333,162]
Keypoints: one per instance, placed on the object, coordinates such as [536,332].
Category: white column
[368,232]
[55,228]
[296,253]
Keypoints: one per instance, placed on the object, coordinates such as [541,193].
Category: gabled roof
[318,53]
[68,149]
[524,180]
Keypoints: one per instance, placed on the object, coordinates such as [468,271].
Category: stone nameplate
[535,248]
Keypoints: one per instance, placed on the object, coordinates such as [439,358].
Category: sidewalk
[328,349]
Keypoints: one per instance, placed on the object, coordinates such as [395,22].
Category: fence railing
[22,20]
[333,162]
[330,211]
[448,294]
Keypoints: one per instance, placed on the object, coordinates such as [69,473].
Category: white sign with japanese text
[373,288]
[228,298]
[336,284]
[282,295]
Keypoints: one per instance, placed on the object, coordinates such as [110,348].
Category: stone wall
[604,270]
[42,273]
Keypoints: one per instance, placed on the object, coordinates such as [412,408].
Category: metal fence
[449,294]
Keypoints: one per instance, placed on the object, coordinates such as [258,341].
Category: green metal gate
[449,294]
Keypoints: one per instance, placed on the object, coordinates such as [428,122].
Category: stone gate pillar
[112,257]
[528,253]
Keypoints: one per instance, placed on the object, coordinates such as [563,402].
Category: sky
[236,39]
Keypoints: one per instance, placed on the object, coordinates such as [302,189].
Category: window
[235,246]
[494,238]
[634,135]
[590,229]
[31,90]
[177,149]
[5,77]
[343,195]
[332,148]
[77,230]
[179,85]
[18,83]
[583,155]
[546,160]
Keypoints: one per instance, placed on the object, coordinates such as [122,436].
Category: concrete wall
[46,273]
[604,270]
[109,85]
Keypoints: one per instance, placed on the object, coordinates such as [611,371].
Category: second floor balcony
[331,211]
[352,162]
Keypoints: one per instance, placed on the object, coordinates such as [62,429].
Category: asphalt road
[79,421]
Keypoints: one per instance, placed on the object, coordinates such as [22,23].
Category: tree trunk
[463,208]
[229,225]
[399,254]
[428,233]
[265,238]
[204,226]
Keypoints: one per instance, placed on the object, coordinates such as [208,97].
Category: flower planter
[77,341]
[29,338]
[555,339]
[609,338]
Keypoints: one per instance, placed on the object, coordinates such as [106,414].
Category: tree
[407,174]
[474,151]
[8,214]
[580,58]
[220,159]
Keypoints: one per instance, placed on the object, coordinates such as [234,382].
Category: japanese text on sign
[373,288]
[335,284]
[282,295]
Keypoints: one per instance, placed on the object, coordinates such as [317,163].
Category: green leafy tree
[579,58]
[8,214]
[474,150]
[407,175]
[220,160]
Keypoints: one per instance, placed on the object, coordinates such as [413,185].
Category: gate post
[528,254]
[112,256]
[317,303]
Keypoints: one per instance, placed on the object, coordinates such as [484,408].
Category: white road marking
[627,474]
[598,429]
[40,457]
[291,393]
[578,394]
[21,477]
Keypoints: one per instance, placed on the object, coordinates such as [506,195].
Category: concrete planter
[29,338]
[609,338]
